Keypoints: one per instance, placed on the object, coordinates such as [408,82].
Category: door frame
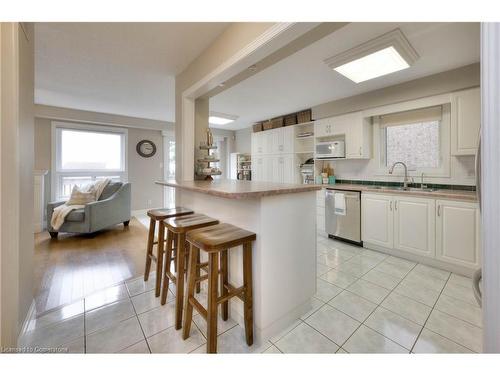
[490,184]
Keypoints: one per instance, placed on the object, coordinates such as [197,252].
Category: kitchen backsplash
[416,185]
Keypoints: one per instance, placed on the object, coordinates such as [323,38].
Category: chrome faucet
[405,182]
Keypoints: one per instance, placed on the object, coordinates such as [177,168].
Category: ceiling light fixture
[217,118]
[386,54]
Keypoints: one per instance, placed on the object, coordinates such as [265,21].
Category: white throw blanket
[60,212]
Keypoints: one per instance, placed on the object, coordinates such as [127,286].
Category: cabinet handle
[360,150]
[439,210]
[390,205]
[395,205]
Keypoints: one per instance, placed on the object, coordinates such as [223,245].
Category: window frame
[58,173]
[444,140]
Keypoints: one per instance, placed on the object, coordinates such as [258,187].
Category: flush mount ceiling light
[386,54]
[217,118]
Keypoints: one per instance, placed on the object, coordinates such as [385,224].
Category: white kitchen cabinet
[358,136]
[267,141]
[458,233]
[465,121]
[414,225]
[290,169]
[257,143]
[257,168]
[324,127]
[377,219]
[282,140]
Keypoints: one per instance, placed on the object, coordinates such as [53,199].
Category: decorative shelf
[208,147]
[208,160]
[308,137]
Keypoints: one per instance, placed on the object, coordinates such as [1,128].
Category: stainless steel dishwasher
[344,220]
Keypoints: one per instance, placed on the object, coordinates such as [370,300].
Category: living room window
[85,153]
[418,138]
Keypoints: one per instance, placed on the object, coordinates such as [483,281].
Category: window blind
[412,117]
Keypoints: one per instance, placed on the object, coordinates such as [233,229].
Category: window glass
[96,151]
[415,144]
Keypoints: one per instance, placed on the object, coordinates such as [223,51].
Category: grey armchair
[113,207]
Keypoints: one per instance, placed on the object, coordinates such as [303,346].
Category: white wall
[243,141]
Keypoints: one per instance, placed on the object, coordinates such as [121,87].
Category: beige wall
[16,178]
[142,172]
[452,80]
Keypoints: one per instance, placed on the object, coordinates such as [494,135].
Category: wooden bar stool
[159,214]
[216,241]
[179,226]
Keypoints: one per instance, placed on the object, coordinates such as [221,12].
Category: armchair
[113,207]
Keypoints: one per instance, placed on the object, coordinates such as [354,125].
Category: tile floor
[366,302]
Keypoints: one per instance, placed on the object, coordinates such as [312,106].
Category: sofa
[113,207]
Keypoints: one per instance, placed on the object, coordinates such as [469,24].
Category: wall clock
[146,148]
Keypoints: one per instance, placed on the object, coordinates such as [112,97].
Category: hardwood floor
[74,266]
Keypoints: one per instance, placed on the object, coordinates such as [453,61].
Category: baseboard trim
[139,212]
[27,320]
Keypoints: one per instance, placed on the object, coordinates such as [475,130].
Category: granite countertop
[462,195]
[236,189]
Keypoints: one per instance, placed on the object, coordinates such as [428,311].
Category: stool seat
[184,223]
[220,236]
[165,213]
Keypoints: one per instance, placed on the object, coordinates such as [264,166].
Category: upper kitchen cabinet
[353,128]
[465,121]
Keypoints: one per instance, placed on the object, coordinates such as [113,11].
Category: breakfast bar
[284,253]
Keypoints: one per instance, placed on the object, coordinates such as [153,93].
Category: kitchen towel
[340,204]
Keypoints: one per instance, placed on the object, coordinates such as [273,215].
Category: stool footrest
[198,306]
[233,292]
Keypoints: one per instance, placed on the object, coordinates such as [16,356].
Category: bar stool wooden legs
[155,215]
[216,241]
[179,226]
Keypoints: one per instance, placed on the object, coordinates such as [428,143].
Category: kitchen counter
[236,189]
[462,195]
[283,216]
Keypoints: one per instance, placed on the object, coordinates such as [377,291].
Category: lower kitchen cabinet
[415,225]
[458,233]
[443,230]
[275,168]
[377,220]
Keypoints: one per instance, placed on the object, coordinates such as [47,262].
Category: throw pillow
[80,196]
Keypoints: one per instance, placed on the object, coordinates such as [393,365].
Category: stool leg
[168,261]
[213,270]
[247,282]
[175,247]
[191,277]
[198,273]
[223,282]
[149,250]
[159,258]
[179,295]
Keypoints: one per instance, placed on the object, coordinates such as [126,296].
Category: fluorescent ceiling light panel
[216,118]
[386,54]
[374,65]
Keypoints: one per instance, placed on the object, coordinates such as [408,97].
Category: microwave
[330,150]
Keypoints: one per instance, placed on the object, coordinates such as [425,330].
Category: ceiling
[120,68]
[303,80]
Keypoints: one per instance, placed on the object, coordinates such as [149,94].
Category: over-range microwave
[330,150]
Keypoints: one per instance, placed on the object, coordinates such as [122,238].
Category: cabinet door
[322,128]
[358,136]
[267,141]
[288,139]
[290,169]
[257,168]
[377,219]
[465,121]
[457,233]
[414,225]
[269,168]
[277,141]
[257,143]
